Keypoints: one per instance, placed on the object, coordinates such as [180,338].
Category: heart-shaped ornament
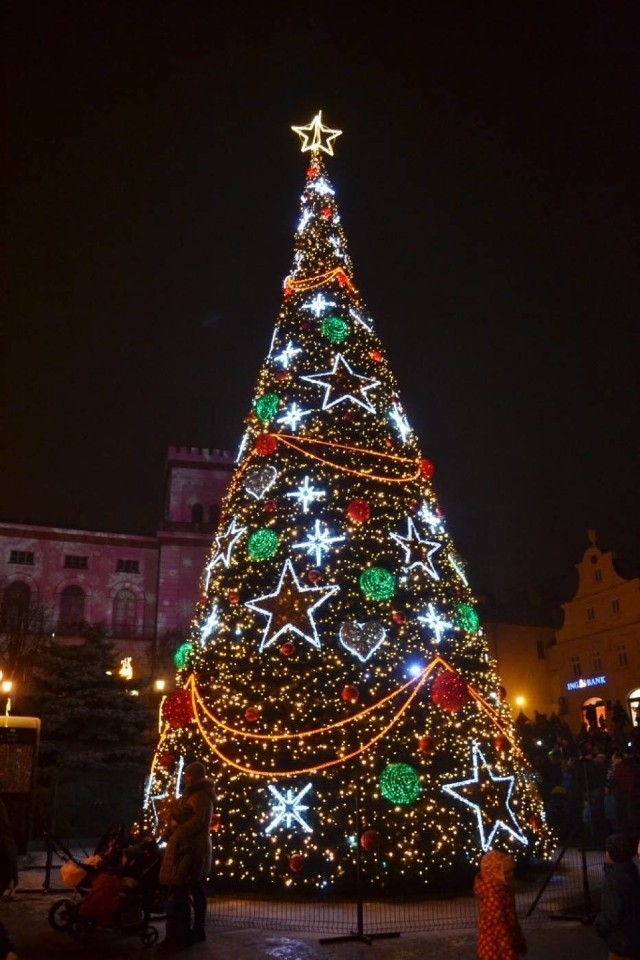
[259,480]
[362,639]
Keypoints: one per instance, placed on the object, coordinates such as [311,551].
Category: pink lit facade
[144,589]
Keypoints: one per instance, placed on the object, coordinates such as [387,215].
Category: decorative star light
[458,568]
[323,187]
[241,448]
[318,542]
[287,354]
[293,415]
[317,305]
[289,808]
[315,136]
[367,324]
[304,220]
[306,494]
[342,381]
[290,608]
[225,542]
[335,243]
[436,623]
[210,625]
[489,796]
[399,421]
[151,801]
[431,519]
[417,552]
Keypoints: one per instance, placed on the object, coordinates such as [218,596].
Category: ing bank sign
[583,682]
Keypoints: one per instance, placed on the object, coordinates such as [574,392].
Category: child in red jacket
[500,936]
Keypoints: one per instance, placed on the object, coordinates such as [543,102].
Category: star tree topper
[315,136]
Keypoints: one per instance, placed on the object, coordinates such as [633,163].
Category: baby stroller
[121,898]
[75,874]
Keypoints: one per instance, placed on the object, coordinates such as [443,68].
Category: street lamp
[7,686]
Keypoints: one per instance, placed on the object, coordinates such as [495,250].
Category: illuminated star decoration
[345,384]
[210,625]
[318,543]
[286,356]
[399,421]
[290,608]
[159,797]
[225,542]
[293,415]
[322,187]
[315,136]
[367,324]
[436,623]
[306,494]
[318,305]
[304,220]
[289,808]
[457,566]
[417,552]
[489,796]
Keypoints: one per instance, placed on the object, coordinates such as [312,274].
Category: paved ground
[26,918]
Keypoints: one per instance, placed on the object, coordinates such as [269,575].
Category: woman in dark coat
[618,922]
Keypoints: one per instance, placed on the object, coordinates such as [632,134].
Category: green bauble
[467,617]
[335,329]
[267,406]
[400,783]
[262,544]
[182,655]
[377,583]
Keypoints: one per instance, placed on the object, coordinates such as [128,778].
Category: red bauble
[449,691]
[502,693]
[270,506]
[251,715]
[314,576]
[266,444]
[326,212]
[399,617]
[166,760]
[234,596]
[501,743]
[312,172]
[427,468]
[177,709]
[389,444]
[216,822]
[282,375]
[203,599]
[376,355]
[287,649]
[426,745]
[296,863]
[358,511]
[350,694]
[370,840]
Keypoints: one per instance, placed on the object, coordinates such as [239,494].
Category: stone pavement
[26,918]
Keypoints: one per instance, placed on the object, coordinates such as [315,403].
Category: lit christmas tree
[336,662]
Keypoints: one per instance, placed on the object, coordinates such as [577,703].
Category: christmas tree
[336,680]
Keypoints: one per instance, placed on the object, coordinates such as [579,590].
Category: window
[24,557]
[623,659]
[197,513]
[125,613]
[128,566]
[16,600]
[575,666]
[597,575]
[72,601]
[597,662]
[73,562]
[591,613]
[615,606]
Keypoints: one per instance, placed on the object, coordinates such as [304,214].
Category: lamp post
[7,686]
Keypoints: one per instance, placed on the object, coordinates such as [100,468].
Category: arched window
[72,602]
[197,513]
[214,514]
[125,613]
[16,600]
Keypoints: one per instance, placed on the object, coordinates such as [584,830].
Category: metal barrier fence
[566,888]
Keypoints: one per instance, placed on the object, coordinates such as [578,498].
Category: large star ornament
[290,608]
[225,543]
[315,136]
[489,796]
[342,383]
[417,552]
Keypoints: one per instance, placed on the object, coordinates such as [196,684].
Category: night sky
[487,179]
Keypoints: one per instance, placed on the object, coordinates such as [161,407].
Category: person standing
[500,935]
[8,854]
[194,835]
[618,922]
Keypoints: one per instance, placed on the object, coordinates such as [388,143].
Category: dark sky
[487,179]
